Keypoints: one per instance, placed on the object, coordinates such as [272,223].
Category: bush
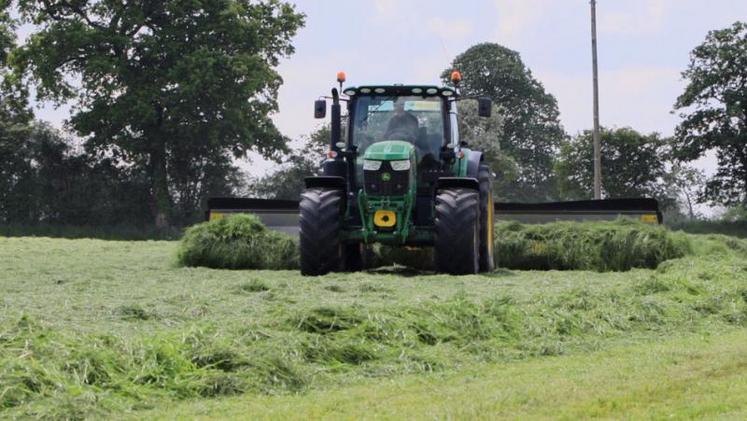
[237,242]
[601,246]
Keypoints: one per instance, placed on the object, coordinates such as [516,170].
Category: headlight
[400,165]
[370,165]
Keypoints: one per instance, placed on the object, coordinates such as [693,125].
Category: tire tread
[457,218]
[320,217]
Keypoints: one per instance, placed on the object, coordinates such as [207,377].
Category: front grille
[397,184]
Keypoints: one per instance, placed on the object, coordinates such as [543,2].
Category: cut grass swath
[237,242]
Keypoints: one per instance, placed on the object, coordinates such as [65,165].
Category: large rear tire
[320,222]
[457,236]
[487,221]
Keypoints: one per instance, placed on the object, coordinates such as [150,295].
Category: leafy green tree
[633,165]
[485,134]
[531,128]
[714,112]
[7,36]
[685,185]
[52,183]
[162,84]
[737,213]
[287,182]
[14,130]
[15,114]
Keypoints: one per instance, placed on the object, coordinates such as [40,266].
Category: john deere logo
[386,176]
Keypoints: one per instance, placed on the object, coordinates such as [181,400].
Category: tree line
[535,160]
[167,96]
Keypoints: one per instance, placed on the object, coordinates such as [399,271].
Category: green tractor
[398,176]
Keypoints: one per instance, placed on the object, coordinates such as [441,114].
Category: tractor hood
[389,150]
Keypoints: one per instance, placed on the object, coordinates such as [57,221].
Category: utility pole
[595,132]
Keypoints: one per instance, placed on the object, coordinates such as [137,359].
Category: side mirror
[484,107]
[320,108]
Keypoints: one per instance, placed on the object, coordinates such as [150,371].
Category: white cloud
[517,16]
[640,18]
[637,96]
[449,29]
[304,79]
[387,8]
[642,97]
[429,67]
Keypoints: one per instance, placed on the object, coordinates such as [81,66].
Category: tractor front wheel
[457,236]
[320,222]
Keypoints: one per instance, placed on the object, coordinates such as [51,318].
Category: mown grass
[243,242]
[93,328]
[237,242]
[602,246]
[731,228]
[115,232]
[690,377]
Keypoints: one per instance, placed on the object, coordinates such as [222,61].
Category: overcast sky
[643,46]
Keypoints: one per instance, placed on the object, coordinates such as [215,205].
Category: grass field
[92,328]
[694,377]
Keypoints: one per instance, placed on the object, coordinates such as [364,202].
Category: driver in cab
[403,125]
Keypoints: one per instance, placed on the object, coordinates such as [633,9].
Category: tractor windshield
[415,119]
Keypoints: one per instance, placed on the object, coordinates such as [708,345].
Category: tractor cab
[415,117]
[398,119]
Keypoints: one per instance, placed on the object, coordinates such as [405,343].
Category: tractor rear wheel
[320,222]
[457,236]
[487,222]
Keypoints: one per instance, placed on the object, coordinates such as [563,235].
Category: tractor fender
[333,182]
[473,163]
[458,182]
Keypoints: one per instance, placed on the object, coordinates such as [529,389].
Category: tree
[163,83]
[634,165]
[52,183]
[531,130]
[485,134]
[684,184]
[714,112]
[14,128]
[287,183]
[7,36]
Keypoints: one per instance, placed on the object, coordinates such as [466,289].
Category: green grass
[602,246]
[243,242]
[116,232]
[732,228]
[694,377]
[237,242]
[92,328]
